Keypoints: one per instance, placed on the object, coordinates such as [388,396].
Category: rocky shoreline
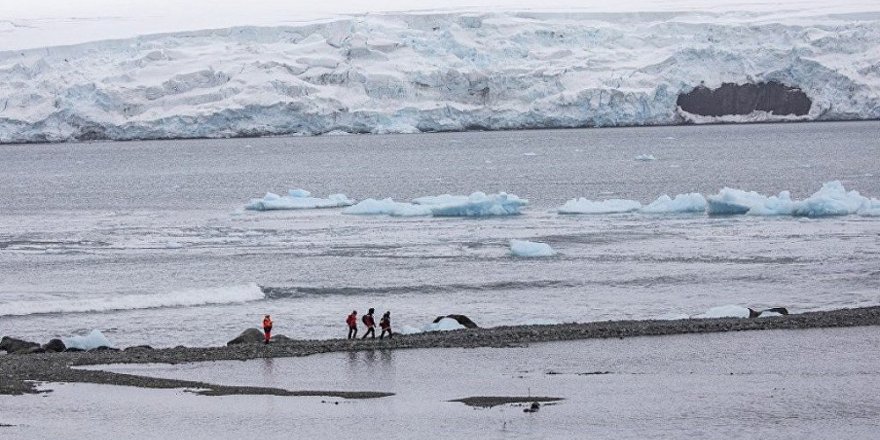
[20,373]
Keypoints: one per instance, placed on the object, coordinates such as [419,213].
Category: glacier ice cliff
[408,72]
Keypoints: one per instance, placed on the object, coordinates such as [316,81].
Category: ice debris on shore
[297,199]
[92,340]
[529,249]
[728,311]
[831,200]
[478,204]
[445,324]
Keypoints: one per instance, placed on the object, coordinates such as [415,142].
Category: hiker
[267,328]
[370,324]
[385,325]
[352,324]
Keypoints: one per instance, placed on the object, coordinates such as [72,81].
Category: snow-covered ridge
[433,72]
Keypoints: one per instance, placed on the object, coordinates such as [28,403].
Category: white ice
[523,248]
[92,340]
[646,157]
[297,199]
[682,203]
[477,204]
[409,72]
[831,200]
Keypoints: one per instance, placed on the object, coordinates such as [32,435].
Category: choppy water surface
[148,241]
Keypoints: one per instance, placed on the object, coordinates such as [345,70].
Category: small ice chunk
[523,248]
[480,204]
[610,206]
[92,340]
[444,324]
[691,202]
[646,157]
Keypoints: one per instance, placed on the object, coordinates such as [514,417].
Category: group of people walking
[370,324]
[368,320]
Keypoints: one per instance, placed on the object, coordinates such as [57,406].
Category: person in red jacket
[385,325]
[352,322]
[267,328]
[370,323]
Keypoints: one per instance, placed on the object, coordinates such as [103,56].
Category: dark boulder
[32,350]
[248,336]
[73,350]
[54,346]
[463,320]
[139,348]
[104,348]
[13,345]
[742,99]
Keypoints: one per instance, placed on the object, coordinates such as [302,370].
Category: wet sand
[18,373]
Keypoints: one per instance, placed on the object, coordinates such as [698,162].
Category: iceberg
[477,204]
[610,206]
[682,203]
[297,199]
[387,207]
[92,340]
[523,248]
[646,157]
[831,200]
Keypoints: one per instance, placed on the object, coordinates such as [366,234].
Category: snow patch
[523,248]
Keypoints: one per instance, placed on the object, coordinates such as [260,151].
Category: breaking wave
[46,304]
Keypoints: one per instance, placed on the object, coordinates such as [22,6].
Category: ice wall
[403,73]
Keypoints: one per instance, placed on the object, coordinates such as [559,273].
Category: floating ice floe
[831,200]
[682,203]
[92,340]
[523,248]
[646,157]
[297,199]
[477,204]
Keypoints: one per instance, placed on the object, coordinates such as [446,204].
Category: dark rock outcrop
[248,336]
[462,319]
[742,99]
[280,339]
[54,346]
[138,348]
[13,345]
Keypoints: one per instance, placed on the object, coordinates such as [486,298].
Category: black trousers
[352,332]
[370,331]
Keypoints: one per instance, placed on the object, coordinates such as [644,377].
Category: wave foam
[105,303]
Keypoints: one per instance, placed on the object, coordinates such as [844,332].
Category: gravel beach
[19,374]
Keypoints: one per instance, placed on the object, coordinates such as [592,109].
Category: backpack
[364,319]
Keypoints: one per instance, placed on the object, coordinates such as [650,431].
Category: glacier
[478,204]
[438,71]
[297,199]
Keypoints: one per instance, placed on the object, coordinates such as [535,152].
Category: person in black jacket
[370,323]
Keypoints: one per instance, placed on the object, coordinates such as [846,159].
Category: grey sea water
[149,242]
